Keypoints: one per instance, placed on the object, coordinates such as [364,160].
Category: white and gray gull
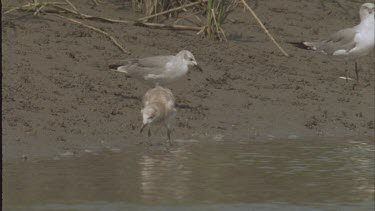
[158,69]
[350,42]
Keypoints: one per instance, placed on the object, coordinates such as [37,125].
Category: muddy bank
[59,96]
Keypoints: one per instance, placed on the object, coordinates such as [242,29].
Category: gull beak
[198,67]
[143,127]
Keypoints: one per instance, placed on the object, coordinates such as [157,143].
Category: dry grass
[217,12]
[211,14]
[214,12]
[152,7]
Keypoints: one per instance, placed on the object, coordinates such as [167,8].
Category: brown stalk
[264,28]
[165,26]
[33,5]
[39,9]
[97,30]
[109,20]
[155,25]
[72,5]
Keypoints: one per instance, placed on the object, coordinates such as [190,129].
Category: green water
[251,175]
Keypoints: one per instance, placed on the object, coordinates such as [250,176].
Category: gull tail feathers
[304,45]
[118,68]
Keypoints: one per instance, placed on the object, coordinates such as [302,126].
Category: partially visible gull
[350,42]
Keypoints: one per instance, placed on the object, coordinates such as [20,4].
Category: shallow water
[258,175]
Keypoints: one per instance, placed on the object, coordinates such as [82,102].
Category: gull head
[366,10]
[188,57]
[150,113]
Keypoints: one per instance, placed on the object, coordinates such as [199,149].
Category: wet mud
[59,95]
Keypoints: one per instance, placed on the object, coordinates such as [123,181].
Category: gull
[159,107]
[158,69]
[352,42]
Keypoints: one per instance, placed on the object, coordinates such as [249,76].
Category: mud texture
[59,96]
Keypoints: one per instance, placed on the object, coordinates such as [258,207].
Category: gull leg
[346,70]
[356,71]
[149,135]
[346,75]
[169,135]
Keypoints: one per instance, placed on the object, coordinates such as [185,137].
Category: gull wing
[144,66]
[340,42]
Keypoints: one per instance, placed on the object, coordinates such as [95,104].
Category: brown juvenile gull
[350,42]
[158,69]
[159,107]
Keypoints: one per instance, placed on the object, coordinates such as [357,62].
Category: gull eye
[191,59]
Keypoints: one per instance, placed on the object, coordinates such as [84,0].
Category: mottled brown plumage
[159,107]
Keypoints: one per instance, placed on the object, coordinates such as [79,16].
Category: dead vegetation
[212,14]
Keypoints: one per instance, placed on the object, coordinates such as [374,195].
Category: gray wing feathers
[144,66]
[156,61]
[341,40]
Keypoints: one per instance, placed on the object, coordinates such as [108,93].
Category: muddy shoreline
[59,96]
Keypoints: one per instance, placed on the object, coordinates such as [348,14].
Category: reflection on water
[199,176]
[165,174]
